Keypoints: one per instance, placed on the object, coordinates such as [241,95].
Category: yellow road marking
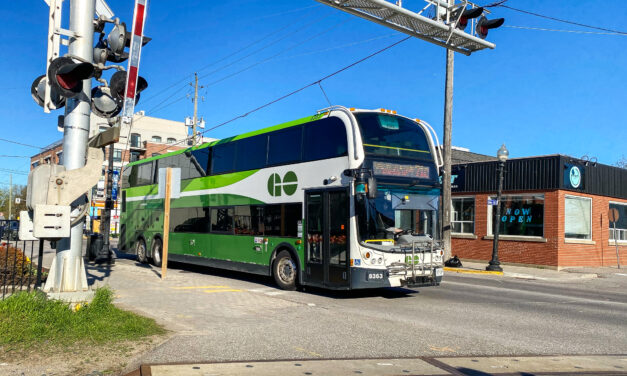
[222,290]
[445,348]
[469,271]
[308,352]
[200,287]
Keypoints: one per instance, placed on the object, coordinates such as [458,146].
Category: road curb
[472,271]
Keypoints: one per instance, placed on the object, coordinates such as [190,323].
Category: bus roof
[288,124]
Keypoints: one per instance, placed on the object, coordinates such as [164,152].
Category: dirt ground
[116,359]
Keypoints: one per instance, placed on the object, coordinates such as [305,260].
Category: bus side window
[325,138]
[123,201]
[222,220]
[285,146]
[223,158]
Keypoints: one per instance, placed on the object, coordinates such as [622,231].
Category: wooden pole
[616,244]
[166,222]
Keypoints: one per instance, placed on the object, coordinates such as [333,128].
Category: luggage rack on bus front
[420,248]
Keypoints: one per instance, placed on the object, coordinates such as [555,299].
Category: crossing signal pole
[69,275]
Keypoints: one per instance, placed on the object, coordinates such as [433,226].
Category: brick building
[554,210]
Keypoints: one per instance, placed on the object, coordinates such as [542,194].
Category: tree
[19,191]
[622,162]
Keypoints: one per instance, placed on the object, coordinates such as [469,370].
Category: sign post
[613,217]
[166,221]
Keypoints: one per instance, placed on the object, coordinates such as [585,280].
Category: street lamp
[495,264]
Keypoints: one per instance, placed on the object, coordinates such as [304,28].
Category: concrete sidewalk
[567,365]
[538,273]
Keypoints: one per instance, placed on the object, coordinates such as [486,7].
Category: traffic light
[66,76]
[466,14]
[117,39]
[103,104]
[37,90]
[484,24]
[107,102]
[118,85]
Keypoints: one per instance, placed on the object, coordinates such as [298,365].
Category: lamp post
[495,264]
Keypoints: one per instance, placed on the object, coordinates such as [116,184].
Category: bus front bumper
[364,278]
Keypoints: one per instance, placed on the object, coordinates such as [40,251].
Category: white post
[67,273]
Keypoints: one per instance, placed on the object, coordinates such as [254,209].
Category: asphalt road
[221,316]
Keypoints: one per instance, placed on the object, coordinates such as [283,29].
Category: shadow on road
[267,281]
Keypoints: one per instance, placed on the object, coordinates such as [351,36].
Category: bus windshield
[394,136]
[395,211]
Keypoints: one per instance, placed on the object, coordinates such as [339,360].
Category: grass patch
[27,319]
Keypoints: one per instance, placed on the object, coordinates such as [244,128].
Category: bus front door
[326,254]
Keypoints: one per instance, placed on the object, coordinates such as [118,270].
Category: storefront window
[577,217]
[521,215]
[621,225]
[463,216]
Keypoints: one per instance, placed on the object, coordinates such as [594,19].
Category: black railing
[18,271]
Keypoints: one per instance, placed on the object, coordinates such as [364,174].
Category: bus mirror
[372,187]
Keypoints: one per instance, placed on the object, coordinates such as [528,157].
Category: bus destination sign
[400,170]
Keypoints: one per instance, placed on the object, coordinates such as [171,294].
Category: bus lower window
[222,220]
[248,220]
[282,219]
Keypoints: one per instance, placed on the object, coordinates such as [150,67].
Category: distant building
[147,137]
[554,210]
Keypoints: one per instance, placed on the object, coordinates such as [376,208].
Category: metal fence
[18,270]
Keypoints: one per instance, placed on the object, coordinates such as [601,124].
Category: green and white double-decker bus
[343,199]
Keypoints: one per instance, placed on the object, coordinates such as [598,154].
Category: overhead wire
[317,82]
[562,31]
[179,82]
[20,143]
[502,5]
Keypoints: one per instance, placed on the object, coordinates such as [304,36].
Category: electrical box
[51,221]
[38,184]
[26,226]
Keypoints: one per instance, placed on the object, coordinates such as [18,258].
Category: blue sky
[539,92]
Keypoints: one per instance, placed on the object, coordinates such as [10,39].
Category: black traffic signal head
[466,14]
[484,24]
[66,76]
[37,90]
[118,85]
[103,104]
[117,39]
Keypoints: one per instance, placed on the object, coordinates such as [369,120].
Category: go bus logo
[289,184]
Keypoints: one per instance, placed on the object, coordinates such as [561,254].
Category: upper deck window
[393,136]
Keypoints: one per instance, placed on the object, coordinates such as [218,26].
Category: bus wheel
[157,247]
[140,251]
[285,271]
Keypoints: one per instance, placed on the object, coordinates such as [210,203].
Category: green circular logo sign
[287,185]
[575,177]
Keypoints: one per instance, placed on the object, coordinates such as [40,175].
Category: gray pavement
[220,316]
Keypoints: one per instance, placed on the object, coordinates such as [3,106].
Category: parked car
[9,229]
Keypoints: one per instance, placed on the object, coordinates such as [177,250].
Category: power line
[14,156]
[19,143]
[317,82]
[562,31]
[267,36]
[500,4]
[157,108]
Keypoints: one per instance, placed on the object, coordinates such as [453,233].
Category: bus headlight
[380,260]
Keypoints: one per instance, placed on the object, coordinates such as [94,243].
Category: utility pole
[10,194]
[448,133]
[70,271]
[195,121]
